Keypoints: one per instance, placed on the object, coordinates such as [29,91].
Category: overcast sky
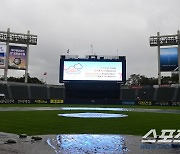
[109,25]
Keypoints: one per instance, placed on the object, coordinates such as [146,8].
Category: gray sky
[110,25]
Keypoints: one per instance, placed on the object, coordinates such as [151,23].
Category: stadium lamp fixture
[164,40]
[18,38]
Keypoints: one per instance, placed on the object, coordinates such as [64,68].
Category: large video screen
[84,70]
[168,59]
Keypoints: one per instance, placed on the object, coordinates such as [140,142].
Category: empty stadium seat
[128,94]
[146,93]
[165,94]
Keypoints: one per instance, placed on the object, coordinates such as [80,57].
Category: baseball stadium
[92,110]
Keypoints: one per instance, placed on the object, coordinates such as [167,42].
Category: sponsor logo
[41,101]
[128,102]
[23,101]
[162,103]
[144,103]
[56,101]
[175,103]
[7,101]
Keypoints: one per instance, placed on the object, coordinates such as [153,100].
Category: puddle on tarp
[93,115]
[88,143]
[96,108]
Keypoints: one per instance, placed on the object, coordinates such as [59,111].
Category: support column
[27,58]
[159,67]
[7,55]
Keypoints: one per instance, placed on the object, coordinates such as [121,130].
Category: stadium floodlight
[165,40]
[18,38]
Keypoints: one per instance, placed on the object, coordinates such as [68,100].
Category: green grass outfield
[47,122]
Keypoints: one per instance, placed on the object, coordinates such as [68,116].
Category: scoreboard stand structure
[94,79]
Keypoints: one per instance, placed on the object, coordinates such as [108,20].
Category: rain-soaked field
[113,124]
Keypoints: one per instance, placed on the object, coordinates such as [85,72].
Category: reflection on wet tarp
[88,143]
[93,115]
[96,108]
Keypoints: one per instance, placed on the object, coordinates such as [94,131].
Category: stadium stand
[178,94]
[96,92]
[4,89]
[146,93]
[19,91]
[56,92]
[165,94]
[39,92]
[14,90]
[128,94]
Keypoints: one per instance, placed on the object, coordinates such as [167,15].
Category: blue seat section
[165,94]
[146,93]
[128,94]
[56,92]
[38,92]
[19,91]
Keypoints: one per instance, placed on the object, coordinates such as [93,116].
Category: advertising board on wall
[17,57]
[2,55]
[169,59]
[31,101]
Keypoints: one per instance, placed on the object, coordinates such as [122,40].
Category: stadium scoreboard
[92,69]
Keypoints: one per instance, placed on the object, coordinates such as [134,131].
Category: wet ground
[107,144]
[83,144]
[86,143]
